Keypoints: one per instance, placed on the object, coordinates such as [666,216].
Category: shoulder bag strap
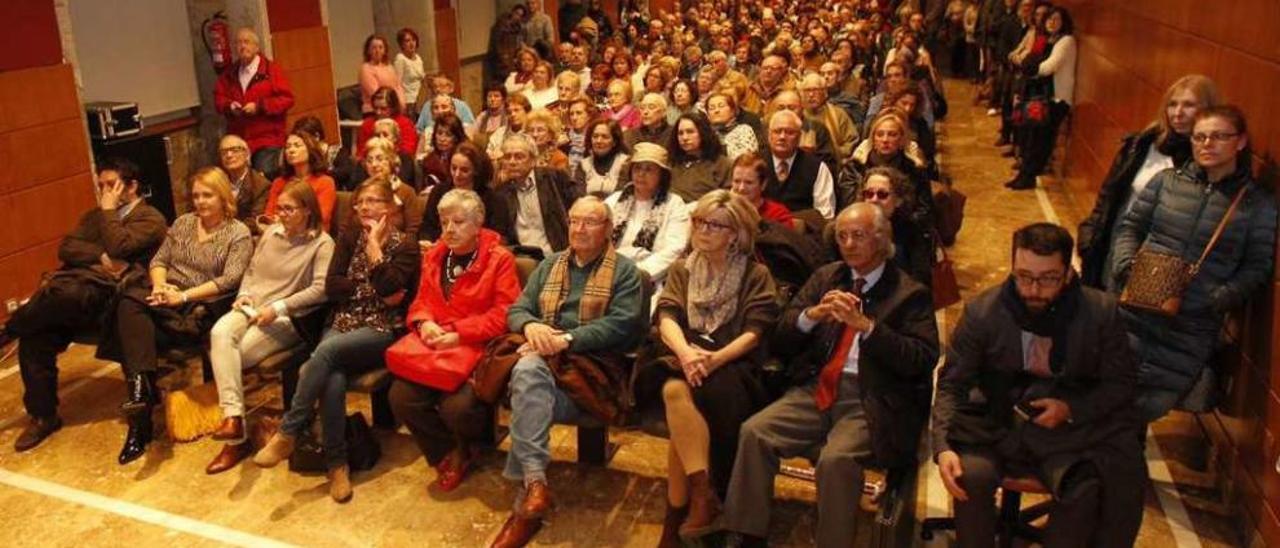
[1222,226]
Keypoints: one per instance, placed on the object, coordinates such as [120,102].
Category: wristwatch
[568,337]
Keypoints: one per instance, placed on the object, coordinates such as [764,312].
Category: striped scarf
[595,297]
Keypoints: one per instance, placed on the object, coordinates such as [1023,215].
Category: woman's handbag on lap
[445,369]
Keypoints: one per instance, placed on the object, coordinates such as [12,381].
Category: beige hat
[589,26]
[649,152]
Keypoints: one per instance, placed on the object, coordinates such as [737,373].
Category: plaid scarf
[595,297]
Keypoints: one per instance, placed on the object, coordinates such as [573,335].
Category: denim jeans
[324,379]
[536,404]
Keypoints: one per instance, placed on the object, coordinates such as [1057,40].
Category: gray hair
[788,114]
[655,97]
[879,222]
[599,203]
[389,123]
[465,200]
[522,140]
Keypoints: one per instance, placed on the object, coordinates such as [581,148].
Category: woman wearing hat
[651,224]
[713,315]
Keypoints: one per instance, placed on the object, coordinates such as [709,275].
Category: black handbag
[363,450]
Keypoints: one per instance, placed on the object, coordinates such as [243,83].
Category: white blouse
[411,73]
[670,241]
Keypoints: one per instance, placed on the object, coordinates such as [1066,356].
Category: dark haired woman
[600,172]
[446,134]
[698,163]
[469,169]
[650,224]
[377,72]
[1060,67]
[1164,144]
[304,161]
[1177,214]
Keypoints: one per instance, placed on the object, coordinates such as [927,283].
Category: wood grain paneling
[44,153]
[45,212]
[1130,52]
[446,21]
[37,96]
[31,38]
[312,87]
[304,54]
[293,14]
[301,48]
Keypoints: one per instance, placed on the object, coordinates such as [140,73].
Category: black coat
[895,364]
[1094,233]
[983,377]
[556,193]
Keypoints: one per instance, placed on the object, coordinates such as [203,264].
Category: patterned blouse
[365,308]
[222,259]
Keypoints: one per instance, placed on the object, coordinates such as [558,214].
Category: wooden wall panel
[446,22]
[301,48]
[1130,52]
[31,38]
[312,87]
[37,96]
[293,14]
[55,208]
[304,55]
[42,153]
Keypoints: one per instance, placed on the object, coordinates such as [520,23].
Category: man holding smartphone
[1038,382]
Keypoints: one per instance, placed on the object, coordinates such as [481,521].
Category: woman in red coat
[468,281]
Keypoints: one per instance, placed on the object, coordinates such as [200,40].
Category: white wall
[350,23]
[475,18]
[136,51]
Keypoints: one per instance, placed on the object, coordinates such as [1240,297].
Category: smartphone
[1026,411]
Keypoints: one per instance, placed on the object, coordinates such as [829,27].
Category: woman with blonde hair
[545,129]
[1165,143]
[191,280]
[620,108]
[713,315]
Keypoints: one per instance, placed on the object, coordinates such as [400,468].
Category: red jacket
[408,135]
[477,305]
[269,90]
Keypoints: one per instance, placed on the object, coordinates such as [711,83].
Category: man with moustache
[1038,382]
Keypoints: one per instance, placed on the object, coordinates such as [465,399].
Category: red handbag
[443,369]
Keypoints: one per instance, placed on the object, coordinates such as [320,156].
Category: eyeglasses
[878,194]
[711,226]
[1044,280]
[233,150]
[586,222]
[1217,137]
[287,210]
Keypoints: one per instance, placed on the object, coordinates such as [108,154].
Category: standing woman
[376,72]
[468,282]
[698,162]
[1061,66]
[285,280]
[469,169]
[1164,144]
[1177,213]
[304,162]
[189,286]
[716,308]
[410,69]
[371,277]
[600,172]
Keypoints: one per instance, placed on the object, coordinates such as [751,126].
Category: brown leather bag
[946,290]
[489,380]
[1157,281]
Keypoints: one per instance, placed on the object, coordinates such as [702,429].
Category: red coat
[477,306]
[772,210]
[408,135]
[269,90]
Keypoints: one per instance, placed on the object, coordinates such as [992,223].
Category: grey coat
[1177,213]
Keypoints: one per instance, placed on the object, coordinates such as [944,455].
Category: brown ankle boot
[704,507]
[671,526]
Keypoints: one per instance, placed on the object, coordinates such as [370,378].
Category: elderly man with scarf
[1038,382]
[580,313]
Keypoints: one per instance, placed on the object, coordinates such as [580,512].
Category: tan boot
[704,507]
[340,484]
[276,450]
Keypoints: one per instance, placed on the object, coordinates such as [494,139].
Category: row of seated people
[859,339]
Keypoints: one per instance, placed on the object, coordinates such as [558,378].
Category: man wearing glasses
[248,185]
[1038,383]
[115,238]
[860,341]
[580,313]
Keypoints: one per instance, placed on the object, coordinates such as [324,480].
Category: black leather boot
[135,442]
[140,393]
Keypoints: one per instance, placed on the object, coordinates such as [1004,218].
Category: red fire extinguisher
[217,40]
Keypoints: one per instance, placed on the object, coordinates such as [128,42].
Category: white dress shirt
[823,186]
[247,71]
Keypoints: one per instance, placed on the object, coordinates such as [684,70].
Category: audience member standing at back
[254,96]
[376,72]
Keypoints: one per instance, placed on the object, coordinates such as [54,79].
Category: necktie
[829,378]
[1038,356]
[784,169]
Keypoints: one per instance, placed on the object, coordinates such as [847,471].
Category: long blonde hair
[1203,87]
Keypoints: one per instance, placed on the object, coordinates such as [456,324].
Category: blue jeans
[536,404]
[324,378]
[267,161]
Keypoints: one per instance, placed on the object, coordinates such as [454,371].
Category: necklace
[455,266]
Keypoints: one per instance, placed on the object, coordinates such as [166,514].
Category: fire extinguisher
[217,40]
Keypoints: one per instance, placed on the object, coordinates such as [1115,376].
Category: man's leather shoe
[135,442]
[230,456]
[517,531]
[537,500]
[231,429]
[36,431]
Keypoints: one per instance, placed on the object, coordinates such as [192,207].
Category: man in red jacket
[254,96]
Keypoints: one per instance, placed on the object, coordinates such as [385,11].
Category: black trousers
[1039,142]
[438,420]
[45,326]
[139,329]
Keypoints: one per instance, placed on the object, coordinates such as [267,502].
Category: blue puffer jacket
[1177,213]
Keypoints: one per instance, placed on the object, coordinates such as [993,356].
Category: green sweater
[621,328]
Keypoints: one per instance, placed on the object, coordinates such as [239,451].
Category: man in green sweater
[580,312]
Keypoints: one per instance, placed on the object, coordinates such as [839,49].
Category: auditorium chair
[1013,521]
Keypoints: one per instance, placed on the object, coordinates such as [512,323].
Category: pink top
[373,77]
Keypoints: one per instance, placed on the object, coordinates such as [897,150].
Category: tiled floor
[70,492]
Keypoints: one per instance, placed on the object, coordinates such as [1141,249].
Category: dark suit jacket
[556,193]
[895,363]
[982,378]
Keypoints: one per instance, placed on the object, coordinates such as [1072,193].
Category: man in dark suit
[1038,382]
[865,343]
[530,209]
[800,180]
[111,240]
